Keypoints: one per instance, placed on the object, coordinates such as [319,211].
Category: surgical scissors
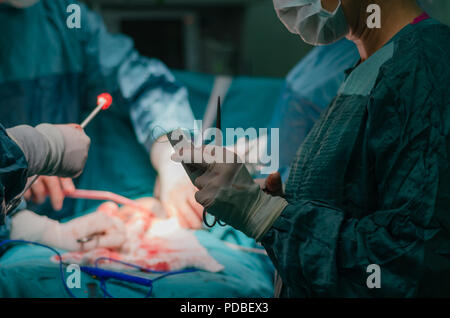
[218,141]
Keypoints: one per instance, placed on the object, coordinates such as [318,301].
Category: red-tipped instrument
[103,102]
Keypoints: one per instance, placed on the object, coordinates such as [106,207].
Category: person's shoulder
[414,79]
[425,45]
[429,32]
[420,53]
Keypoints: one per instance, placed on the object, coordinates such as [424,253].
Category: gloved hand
[52,149]
[175,189]
[177,195]
[27,225]
[228,191]
[53,187]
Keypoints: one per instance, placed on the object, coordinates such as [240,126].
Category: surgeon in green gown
[366,211]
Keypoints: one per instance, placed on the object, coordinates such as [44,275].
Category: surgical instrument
[103,102]
[89,238]
[219,143]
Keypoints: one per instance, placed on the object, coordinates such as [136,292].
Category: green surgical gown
[371,183]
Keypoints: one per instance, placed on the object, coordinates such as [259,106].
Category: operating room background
[231,37]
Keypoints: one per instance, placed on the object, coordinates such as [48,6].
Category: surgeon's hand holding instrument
[233,196]
[104,101]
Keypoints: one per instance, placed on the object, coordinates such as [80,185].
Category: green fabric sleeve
[13,176]
[13,167]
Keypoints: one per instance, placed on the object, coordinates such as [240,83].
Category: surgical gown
[371,182]
[13,176]
[310,87]
[50,72]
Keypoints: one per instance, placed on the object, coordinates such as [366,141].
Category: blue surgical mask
[311,21]
[21,3]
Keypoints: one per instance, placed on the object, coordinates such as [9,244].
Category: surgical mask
[311,21]
[21,4]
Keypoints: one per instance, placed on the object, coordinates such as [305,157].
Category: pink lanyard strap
[420,18]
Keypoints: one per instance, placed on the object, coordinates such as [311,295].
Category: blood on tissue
[135,220]
[161,266]
[152,243]
[154,246]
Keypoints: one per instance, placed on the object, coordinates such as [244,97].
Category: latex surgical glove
[27,225]
[54,187]
[54,150]
[176,191]
[177,195]
[228,191]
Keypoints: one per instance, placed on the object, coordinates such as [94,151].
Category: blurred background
[231,37]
